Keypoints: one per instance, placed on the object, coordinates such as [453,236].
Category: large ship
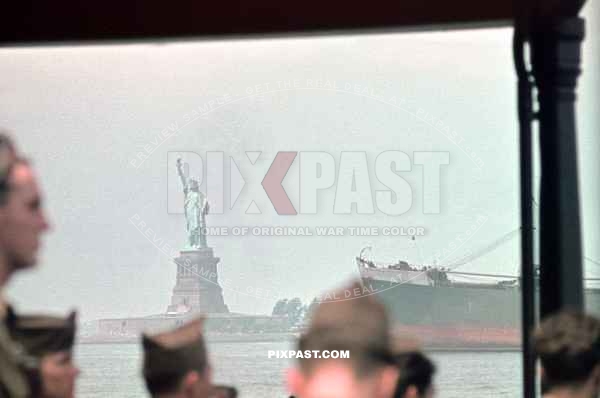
[444,311]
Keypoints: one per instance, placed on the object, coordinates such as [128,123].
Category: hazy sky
[83,113]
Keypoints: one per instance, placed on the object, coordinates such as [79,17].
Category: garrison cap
[37,336]
[42,334]
[170,355]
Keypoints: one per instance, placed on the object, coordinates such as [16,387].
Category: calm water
[114,371]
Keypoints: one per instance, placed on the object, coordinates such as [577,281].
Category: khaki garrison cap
[42,334]
[170,355]
[39,335]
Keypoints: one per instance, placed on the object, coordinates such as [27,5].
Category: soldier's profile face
[58,375]
[22,219]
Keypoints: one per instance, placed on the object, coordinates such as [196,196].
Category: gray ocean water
[113,370]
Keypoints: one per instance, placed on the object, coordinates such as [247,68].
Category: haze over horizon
[83,113]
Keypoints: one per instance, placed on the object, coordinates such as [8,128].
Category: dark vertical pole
[556,49]
[527,271]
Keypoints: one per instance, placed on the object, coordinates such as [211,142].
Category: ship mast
[414,239]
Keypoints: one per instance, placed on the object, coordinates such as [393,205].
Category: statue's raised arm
[181,174]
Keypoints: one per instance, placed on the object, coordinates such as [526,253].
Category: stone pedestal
[197,286]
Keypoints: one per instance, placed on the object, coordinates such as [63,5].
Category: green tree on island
[294,310]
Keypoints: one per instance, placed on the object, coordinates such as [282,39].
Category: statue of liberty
[195,208]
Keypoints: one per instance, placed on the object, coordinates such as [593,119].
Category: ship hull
[459,316]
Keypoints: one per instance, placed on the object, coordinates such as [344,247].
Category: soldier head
[22,219]
[48,341]
[356,324]
[568,345]
[416,376]
[176,363]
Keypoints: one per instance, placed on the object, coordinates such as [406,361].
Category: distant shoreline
[210,338]
[285,337]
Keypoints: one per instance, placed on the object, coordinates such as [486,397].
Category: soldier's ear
[189,384]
